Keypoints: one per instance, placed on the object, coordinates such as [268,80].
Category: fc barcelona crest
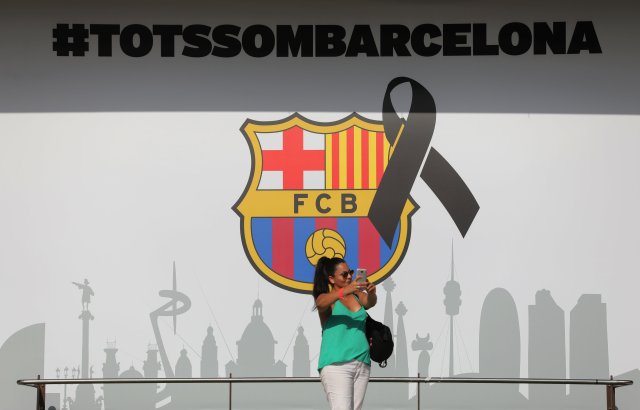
[309,195]
[343,189]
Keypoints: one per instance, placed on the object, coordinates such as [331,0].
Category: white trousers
[345,384]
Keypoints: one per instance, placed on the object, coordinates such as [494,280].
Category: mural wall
[169,173]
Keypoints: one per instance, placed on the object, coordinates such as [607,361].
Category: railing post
[41,390]
[418,392]
[611,396]
[230,384]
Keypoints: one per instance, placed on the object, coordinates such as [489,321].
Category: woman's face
[342,276]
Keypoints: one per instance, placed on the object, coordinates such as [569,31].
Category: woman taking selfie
[344,363]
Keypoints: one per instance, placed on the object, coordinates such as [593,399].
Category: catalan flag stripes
[355,158]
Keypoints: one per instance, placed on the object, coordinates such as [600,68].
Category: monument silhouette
[85,393]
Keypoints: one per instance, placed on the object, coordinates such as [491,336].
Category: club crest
[309,195]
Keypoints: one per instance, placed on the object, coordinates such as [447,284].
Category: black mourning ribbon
[409,151]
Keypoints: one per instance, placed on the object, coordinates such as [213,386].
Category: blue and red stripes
[280,243]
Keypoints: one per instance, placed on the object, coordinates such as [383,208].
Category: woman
[344,363]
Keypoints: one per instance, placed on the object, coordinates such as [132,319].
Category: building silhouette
[256,349]
[499,356]
[499,346]
[199,396]
[183,365]
[547,350]
[589,349]
[129,396]
[256,357]
[22,357]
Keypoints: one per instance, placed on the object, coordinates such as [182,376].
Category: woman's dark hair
[324,268]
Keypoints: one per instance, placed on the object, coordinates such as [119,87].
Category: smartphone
[361,275]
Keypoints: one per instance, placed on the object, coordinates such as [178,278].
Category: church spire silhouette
[209,359]
[402,359]
[301,363]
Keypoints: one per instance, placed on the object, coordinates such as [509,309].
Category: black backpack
[380,341]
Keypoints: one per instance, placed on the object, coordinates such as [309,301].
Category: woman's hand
[371,288]
[354,287]
[369,299]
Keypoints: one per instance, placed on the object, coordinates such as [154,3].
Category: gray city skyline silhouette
[22,356]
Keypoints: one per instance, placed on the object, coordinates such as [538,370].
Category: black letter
[226,36]
[196,37]
[330,41]
[480,46]
[287,40]
[104,33]
[349,205]
[544,36]
[454,35]
[167,35]
[297,201]
[394,38]
[418,40]
[319,205]
[505,38]
[584,38]
[250,40]
[362,41]
[126,40]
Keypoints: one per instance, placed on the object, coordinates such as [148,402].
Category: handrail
[225,380]
[611,384]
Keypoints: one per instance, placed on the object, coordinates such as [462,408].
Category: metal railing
[610,384]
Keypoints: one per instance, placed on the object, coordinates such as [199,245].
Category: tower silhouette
[452,303]
[402,357]
[151,366]
[110,370]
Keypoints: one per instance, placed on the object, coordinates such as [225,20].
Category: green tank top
[343,337]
